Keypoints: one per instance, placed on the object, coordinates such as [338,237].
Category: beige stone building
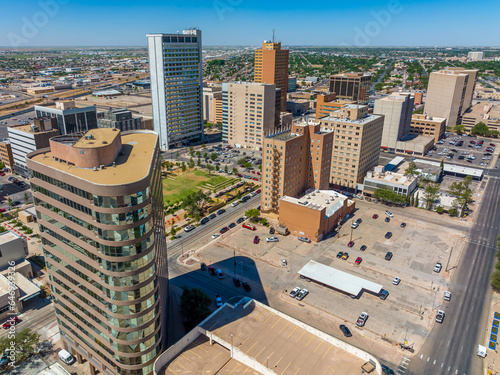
[294,160]
[487,113]
[449,94]
[356,143]
[251,113]
[212,102]
[428,126]
[351,86]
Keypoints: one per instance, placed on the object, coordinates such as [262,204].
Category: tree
[439,209]
[177,156]
[253,214]
[24,342]
[191,151]
[213,155]
[388,195]
[183,167]
[235,170]
[205,155]
[210,168]
[198,153]
[431,193]
[198,162]
[173,231]
[462,192]
[460,129]
[412,169]
[9,201]
[480,129]
[26,197]
[194,306]
[196,202]
[247,165]
[226,169]
[242,161]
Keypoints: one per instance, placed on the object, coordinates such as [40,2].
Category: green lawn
[176,191]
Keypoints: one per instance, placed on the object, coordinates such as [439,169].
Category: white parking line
[428,358]
[434,362]
[421,356]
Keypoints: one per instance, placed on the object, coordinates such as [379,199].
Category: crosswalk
[402,366]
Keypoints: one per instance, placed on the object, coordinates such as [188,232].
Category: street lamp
[232,347]
[267,362]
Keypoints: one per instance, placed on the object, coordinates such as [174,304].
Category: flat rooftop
[133,165]
[28,129]
[392,177]
[318,200]
[413,140]
[361,121]
[8,236]
[96,138]
[337,279]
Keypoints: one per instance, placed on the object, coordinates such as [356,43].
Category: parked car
[294,292]
[388,235]
[234,204]
[203,266]
[212,216]
[396,281]
[350,244]
[301,295]
[271,230]
[362,319]
[11,322]
[204,220]
[387,219]
[375,216]
[345,330]
[447,296]
[2,209]
[283,262]
[383,294]
[272,239]
[189,228]
[249,226]
[236,282]
[403,225]
[358,260]
[389,213]
[219,273]
[246,286]
[388,256]
[224,230]
[304,239]
[232,225]
[221,211]
[440,316]
[345,256]
[386,370]
[340,253]
[216,235]
[211,270]
[240,220]
[15,203]
[218,300]
[256,240]
[437,267]
[362,248]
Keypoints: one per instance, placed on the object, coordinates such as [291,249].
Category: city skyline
[54,23]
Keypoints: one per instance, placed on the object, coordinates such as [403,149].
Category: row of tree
[480,129]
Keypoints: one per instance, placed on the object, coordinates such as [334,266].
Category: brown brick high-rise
[271,66]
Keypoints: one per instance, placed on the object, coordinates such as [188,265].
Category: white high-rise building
[475,55]
[175,66]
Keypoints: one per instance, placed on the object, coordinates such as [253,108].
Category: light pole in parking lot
[352,222]
[448,262]
[232,347]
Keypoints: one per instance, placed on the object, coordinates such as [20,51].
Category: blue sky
[248,22]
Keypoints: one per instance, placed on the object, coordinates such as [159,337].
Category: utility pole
[448,262]
[234,262]
[352,222]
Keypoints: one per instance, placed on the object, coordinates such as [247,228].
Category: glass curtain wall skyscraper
[99,202]
[175,65]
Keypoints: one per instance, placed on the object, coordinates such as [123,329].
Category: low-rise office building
[70,118]
[428,126]
[298,107]
[314,214]
[352,86]
[6,154]
[379,178]
[486,113]
[119,118]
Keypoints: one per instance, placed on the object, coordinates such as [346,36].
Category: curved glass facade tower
[99,203]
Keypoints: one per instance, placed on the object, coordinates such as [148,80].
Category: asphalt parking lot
[409,310]
[13,191]
[14,120]
[466,150]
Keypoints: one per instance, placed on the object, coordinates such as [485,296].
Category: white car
[440,316]
[234,204]
[447,296]
[396,281]
[362,319]
[189,228]
[300,296]
[272,239]
[216,235]
[389,213]
[437,267]
[283,262]
[218,300]
[294,292]
[304,239]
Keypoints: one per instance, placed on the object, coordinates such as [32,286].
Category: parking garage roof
[337,279]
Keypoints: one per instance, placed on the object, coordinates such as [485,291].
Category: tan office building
[99,203]
[294,160]
[271,66]
[356,144]
[251,113]
[352,86]
[210,98]
[449,94]
[6,154]
[428,126]
[483,112]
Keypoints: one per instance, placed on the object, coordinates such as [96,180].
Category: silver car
[304,239]
[294,292]
[300,296]
[272,239]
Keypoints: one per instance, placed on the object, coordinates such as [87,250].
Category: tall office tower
[449,94]
[352,86]
[249,110]
[271,66]
[99,203]
[356,143]
[475,55]
[120,118]
[397,110]
[294,160]
[175,68]
[212,98]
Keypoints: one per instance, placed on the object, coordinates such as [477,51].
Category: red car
[258,173]
[375,216]
[358,260]
[249,226]
[492,144]
[253,172]
[473,142]
[2,209]
[255,179]
[350,244]
[224,230]
[2,174]
[11,322]
[258,191]
[239,175]
[256,240]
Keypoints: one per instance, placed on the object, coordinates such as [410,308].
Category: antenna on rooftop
[274,40]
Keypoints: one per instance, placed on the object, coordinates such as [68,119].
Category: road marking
[421,356]
[284,327]
[309,341]
[327,351]
[428,358]
[434,362]
[456,371]
[461,349]
[251,347]
[448,368]
[303,333]
[318,346]
[442,364]
[292,331]
[243,342]
[286,368]
[276,323]
[449,342]
[467,328]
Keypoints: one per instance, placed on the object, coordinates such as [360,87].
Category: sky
[26,23]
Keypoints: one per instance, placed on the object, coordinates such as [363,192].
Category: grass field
[176,191]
